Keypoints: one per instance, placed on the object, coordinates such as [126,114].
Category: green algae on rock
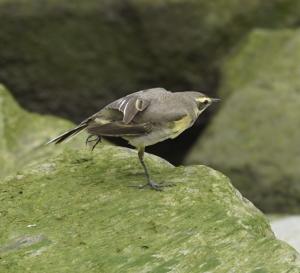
[75,213]
[254,138]
[265,57]
[23,135]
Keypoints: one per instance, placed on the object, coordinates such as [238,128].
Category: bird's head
[202,100]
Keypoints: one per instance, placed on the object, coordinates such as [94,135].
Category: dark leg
[90,138]
[150,183]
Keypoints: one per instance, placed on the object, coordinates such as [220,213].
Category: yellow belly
[180,125]
[161,133]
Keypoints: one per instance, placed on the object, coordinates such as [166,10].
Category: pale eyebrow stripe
[202,99]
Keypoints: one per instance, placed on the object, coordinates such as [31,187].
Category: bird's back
[166,106]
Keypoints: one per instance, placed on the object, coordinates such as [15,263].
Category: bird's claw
[154,186]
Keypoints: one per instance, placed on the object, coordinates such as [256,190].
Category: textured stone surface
[23,135]
[70,210]
[71,57]
[254,138]
[76,213]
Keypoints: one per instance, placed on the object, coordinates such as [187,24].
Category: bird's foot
[154,186]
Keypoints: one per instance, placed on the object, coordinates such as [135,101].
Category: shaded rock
[94,222]
[264,58]
[23,135]
[254,139]
[288,229]
[72,57]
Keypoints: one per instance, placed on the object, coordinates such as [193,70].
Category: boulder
[263,58]
[76,213]
[254,138]
[23,135]
[69,58]
[64,208]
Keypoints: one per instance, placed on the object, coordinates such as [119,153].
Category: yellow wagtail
[144,118]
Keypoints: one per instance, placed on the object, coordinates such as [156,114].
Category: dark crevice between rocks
[172,150]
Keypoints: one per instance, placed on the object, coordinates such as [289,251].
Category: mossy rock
[76,213]
[69,58]
[263,58]
[23,135]
[71,210]
[254,139]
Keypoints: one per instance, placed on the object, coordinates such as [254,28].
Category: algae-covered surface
[259,63]
[76,213]
[23,135]
[66,209]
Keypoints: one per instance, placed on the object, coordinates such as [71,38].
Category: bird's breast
[161,132]
[179,126]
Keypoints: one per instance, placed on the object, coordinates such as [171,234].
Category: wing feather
[129,106]
[119,129]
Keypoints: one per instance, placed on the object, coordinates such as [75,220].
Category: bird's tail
[69,134]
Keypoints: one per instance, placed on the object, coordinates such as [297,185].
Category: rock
[58,201]
[72,57]
[271,57]
[75,212]
[288,229]
[23,135]
[254,139]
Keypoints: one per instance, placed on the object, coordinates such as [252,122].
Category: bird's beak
[215,99]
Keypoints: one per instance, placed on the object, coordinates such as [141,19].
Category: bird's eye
[205,102]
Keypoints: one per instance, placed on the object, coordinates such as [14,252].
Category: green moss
[73,210]
[80,204]
[273,61]
[23,135]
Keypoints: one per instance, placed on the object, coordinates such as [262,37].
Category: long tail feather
[67,135]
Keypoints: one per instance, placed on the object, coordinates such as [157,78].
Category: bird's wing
[118,128]
[129,106]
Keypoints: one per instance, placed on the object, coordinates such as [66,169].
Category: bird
[143,118]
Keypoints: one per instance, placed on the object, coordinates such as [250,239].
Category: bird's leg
[97,139]
[141,152]
[150,183]
[88,139]
[96,143]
